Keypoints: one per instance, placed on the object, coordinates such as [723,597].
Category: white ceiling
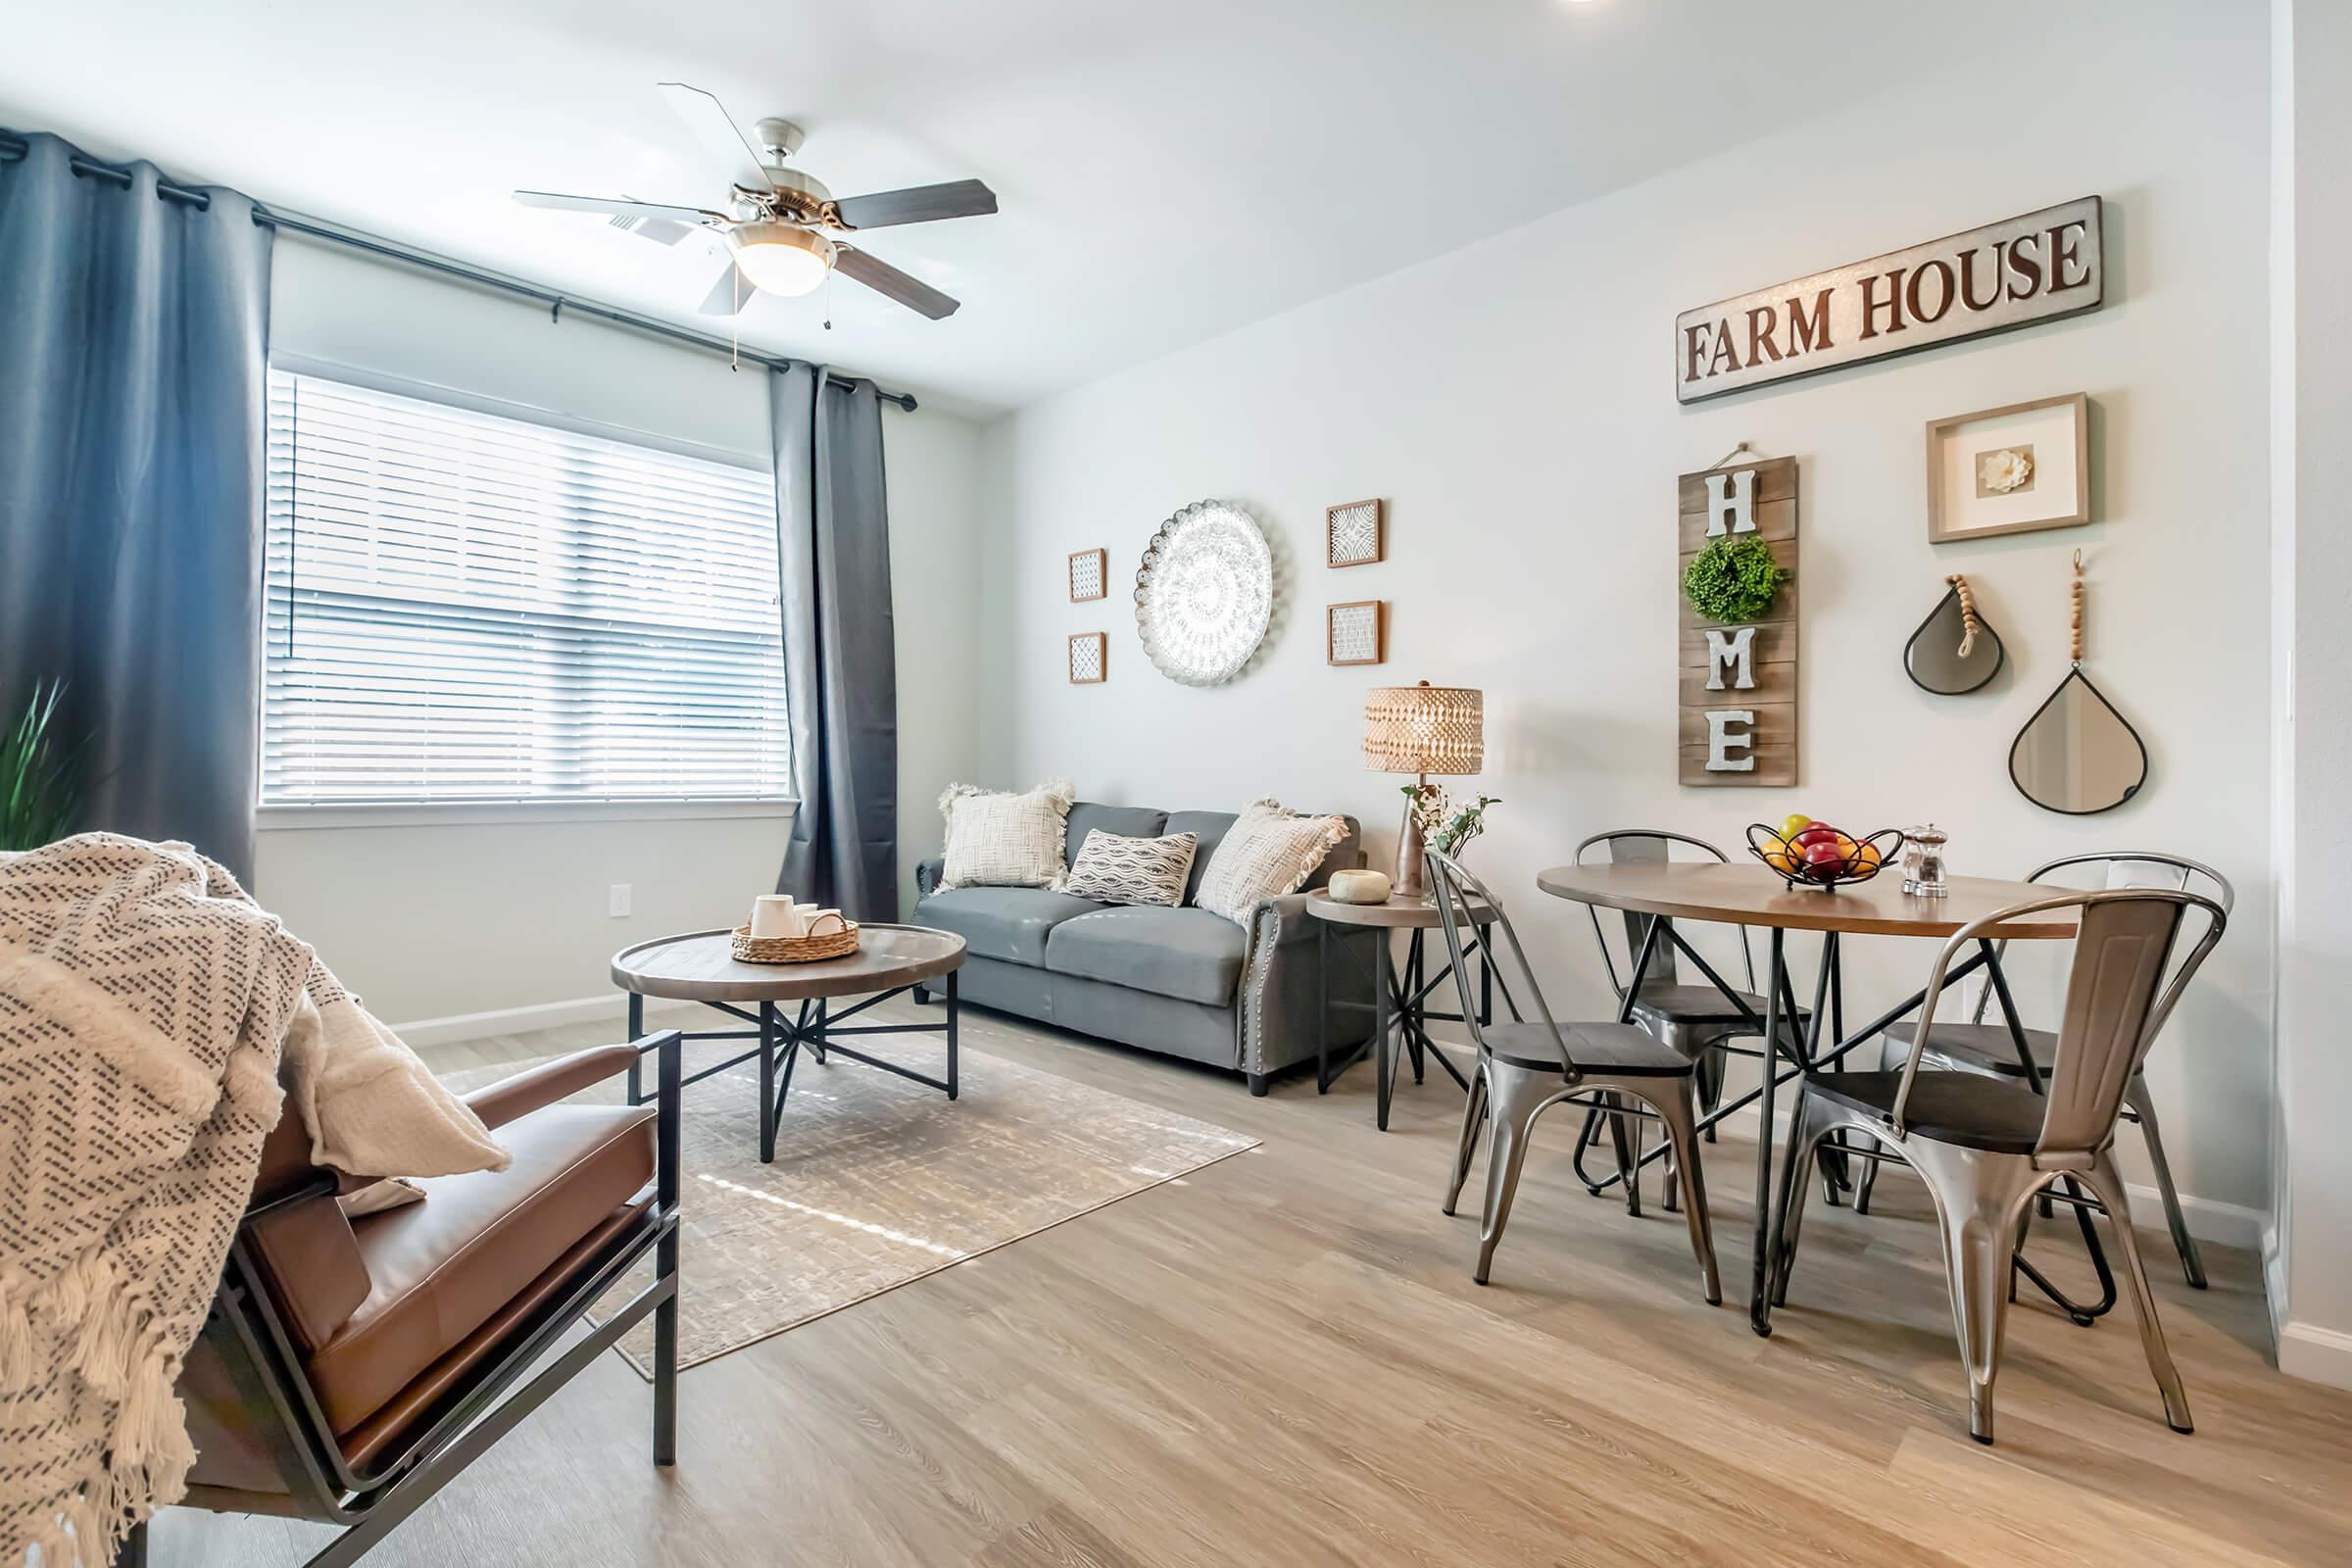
[1166,172]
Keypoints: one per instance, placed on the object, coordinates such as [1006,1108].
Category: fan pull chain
[1967,612]
[828,299]
[2076,595]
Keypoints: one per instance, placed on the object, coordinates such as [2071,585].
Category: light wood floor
[1283,1360]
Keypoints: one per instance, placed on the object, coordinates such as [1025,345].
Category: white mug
[774,915]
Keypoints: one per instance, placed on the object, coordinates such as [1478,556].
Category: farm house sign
[1990,279]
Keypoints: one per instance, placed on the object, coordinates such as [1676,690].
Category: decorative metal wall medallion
[1205,593]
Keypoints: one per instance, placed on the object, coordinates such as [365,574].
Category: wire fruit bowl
[1786,861]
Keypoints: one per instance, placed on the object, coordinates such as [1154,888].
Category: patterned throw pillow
[1002,840]
[1268,852]
[1115,869]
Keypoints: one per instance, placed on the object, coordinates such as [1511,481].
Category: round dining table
[1667,891]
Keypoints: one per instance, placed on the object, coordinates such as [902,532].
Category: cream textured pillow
[372,1108]
[1268,852]
[1002,840]
[1117,870]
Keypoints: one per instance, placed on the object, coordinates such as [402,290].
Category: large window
[462,607]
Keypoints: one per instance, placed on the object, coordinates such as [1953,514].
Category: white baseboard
[2209,1220]
[612,1009]
[2316,1355]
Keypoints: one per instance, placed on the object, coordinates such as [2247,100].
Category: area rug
[878,1181]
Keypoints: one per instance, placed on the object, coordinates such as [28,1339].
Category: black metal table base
[817,1029]
[1804,1054]
[1398,1007]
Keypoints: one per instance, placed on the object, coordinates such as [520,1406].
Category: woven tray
[813,949]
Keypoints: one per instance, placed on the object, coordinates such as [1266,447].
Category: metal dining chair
[1987,1048]
[1986,1145]
[1695,1020]
[1528,1066]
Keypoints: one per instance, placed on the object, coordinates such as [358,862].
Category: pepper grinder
[1923,862]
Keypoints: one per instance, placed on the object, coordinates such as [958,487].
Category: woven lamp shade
[1425,729]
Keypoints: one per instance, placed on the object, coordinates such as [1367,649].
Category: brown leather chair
[350,1367]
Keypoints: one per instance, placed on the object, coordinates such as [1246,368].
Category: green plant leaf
[40,774]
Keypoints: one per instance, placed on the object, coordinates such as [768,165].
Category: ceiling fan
[782,224]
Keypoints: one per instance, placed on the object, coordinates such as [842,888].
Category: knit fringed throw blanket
[144,1002]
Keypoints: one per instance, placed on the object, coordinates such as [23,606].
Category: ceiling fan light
[782,259]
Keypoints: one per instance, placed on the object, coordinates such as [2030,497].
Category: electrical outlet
[617,906]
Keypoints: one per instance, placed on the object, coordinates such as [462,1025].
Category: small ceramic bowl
[1359,887]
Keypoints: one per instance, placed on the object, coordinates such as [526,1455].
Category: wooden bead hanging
[2076,595]
[1967,612]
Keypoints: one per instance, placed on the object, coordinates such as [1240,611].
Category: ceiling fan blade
[708,122]
[730,294]
[616,208]
[917,204]
[886,280]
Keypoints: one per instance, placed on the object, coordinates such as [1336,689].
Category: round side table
[1398,1003]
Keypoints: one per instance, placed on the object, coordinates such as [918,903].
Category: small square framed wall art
[1357,633]
[1088,659]
[2011,469]
[1355,533]
[1089,574]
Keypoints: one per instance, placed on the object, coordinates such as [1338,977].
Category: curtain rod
[13,147]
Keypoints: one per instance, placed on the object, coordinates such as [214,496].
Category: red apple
[1818,833]
[1825,861]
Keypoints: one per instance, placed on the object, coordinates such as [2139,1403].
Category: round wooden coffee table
[1399,1003]
[702,966]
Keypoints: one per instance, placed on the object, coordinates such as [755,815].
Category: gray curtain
[840,667]
[132,332]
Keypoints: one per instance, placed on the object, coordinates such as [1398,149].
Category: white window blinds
[465,608]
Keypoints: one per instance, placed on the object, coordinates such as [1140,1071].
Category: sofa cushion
[1113,868]
[1190,955]
[1209,828]
[440,1269]
[1008,923]
[998,838]
[1270,851]
[1127,821]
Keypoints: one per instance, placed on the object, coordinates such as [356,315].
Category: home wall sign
[2029,269]
[1737,720]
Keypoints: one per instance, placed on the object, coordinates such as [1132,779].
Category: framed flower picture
[1088,651]
[1354,533]
[1089,574]
[2011,469]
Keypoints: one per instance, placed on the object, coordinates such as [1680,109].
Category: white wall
[1512,402]
[2311,1244]
[432,922]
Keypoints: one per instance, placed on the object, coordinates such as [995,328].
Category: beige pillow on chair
[1268,852]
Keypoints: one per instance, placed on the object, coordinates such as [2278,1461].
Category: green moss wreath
[1733,579]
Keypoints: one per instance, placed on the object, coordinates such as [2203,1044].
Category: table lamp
[1422,730]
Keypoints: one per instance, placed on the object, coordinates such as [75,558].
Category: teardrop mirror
[2077,755]
[1950,656]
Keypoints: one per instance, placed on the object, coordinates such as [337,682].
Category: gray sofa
[1180,981]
